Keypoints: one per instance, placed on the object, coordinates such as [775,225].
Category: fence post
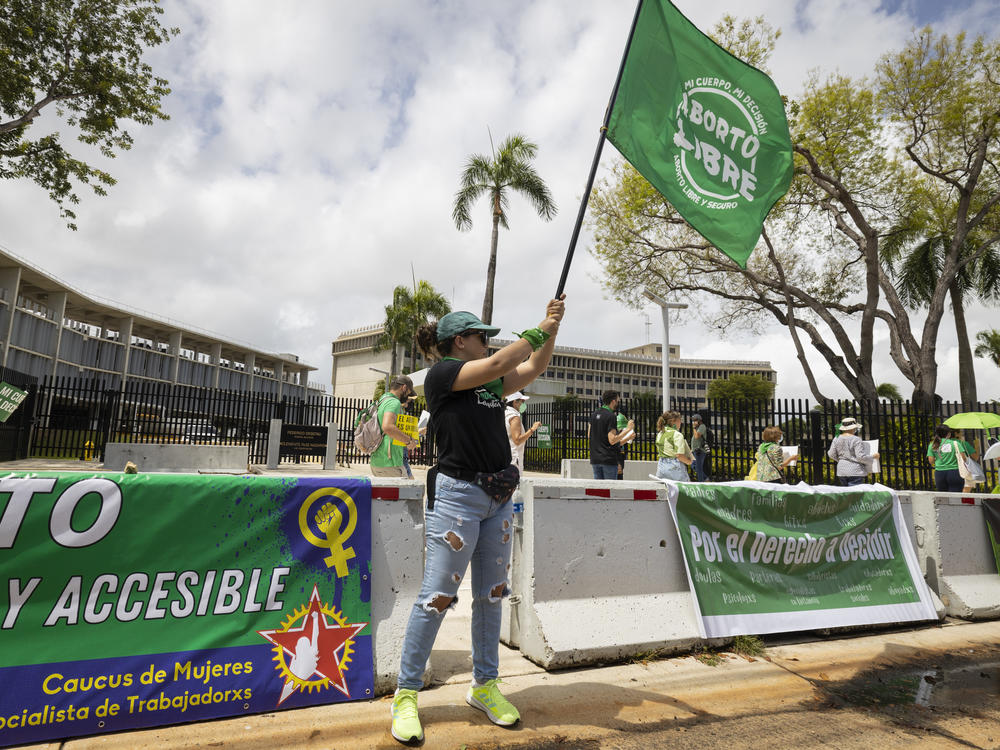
[274,443]
[26,423]
[815,447]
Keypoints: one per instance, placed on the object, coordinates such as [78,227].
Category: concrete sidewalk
[797,695]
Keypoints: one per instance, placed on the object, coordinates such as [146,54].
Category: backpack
[367,430]
[709,439]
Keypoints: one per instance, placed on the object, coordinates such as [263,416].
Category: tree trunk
[966,368]
[395,359]
[491,270]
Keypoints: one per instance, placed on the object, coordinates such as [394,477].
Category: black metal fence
[75,418]
[735,429]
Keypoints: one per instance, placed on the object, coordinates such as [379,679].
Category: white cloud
[314,150]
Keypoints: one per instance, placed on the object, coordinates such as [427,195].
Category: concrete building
[583,372]
[48,328]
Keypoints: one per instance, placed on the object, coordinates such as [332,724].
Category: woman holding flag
[469,514]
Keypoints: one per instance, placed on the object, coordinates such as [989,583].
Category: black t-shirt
[468,425]
[602,422]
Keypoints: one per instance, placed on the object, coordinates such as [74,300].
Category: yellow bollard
[88,451]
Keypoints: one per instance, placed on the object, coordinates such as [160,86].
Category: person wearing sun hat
[854,460]
[516,433]
[469,516]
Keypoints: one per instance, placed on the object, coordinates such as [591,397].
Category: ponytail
[428,342]
[941,432]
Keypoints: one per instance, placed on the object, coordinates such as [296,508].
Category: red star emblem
[313,649]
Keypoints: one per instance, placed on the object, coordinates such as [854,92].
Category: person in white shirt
[516,433]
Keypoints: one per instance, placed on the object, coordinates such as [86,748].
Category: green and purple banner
[765,558]
[136,600]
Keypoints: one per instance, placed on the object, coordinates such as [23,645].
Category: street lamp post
[665,308]
[387,375]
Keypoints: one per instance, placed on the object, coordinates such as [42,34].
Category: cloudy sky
[314,149]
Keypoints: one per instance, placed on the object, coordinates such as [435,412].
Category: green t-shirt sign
[544,436]
[10,399]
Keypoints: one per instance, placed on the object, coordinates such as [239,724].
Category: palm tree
[889,392]
[989,345]
[510,167]
[918,267]
[394,328]
[409,310]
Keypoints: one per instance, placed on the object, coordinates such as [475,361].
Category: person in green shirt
[944,453]
[387,460]
[627,436]
[672,449]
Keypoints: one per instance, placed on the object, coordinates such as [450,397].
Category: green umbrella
[973,420]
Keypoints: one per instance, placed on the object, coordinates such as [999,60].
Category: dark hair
[940,432]
[608,396]
[668,417]
[400,381]
[428,342]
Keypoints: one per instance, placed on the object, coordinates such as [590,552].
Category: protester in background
[671,448]
[771,461]
[604,437]
[516,433]
[699,444]
[387,460]
[626,439]
[944,453]
[854,459]
[408,409]
[970,452]
[469,515]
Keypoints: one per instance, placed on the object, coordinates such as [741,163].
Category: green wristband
[534,336]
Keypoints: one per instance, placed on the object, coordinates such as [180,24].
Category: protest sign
[772,558]
[10,398]
[137,600]
[408,425]
[544,436]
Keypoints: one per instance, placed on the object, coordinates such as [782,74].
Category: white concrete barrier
[576,468]
[638,471]
[598,574]
[955,554]
[579,468]
[398,567]
[176,457]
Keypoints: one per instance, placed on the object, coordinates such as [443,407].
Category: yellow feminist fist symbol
[329,519]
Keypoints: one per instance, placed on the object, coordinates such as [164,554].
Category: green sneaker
[490,701]
[405,721]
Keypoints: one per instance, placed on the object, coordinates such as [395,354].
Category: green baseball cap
[455,323]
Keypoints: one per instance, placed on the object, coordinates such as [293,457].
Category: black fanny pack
[499,485]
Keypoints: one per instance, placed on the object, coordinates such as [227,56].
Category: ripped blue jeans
[466,525]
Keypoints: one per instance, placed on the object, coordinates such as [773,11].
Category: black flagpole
[597,158]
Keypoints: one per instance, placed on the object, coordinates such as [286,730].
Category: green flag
[707,130]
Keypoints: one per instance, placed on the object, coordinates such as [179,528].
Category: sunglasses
[481,334]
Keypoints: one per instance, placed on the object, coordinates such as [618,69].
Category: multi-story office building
[48,328]
[583,372]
